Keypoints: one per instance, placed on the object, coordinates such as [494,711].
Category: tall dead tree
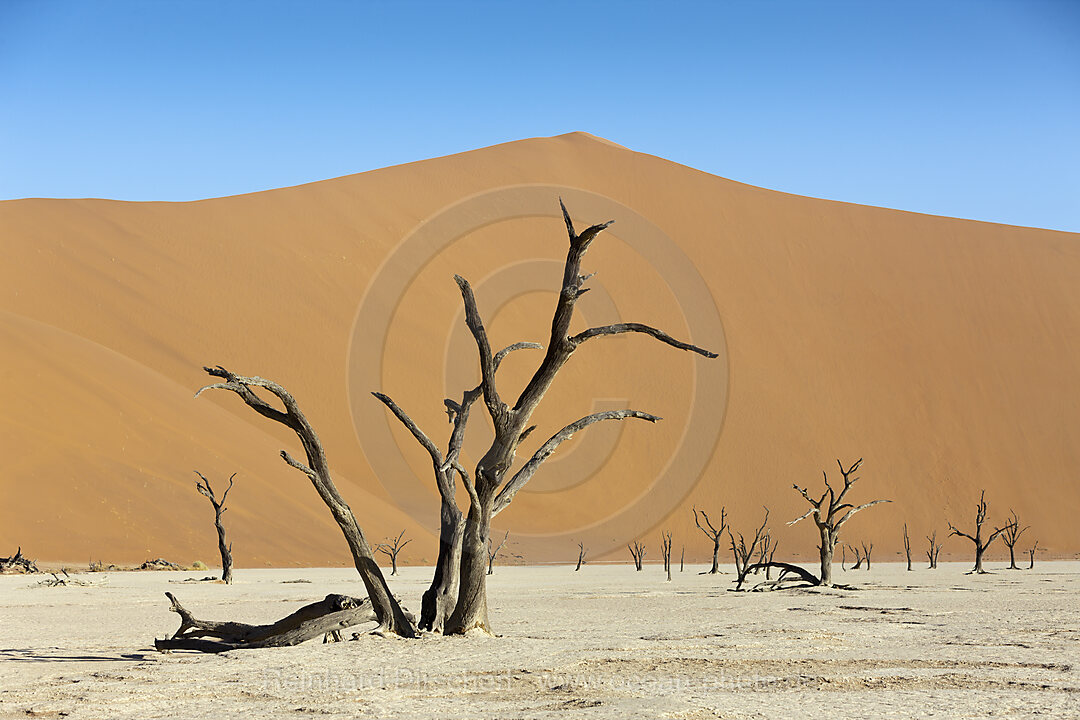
[907,547]
[219,509]
[1011,535]
[493,552]
[441,596]
[866,550]
[392,619]
[713,534]
[392,548]
[682,558]
[493,486]
[830,512]
[582,551]
[1031,555]
[637,552]
[933,550]
[665,549]
[980,544]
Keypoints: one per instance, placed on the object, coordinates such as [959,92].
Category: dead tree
[830,513]
[665,550]
[1031,555]
[682,558]
[582,552]
[713,534]
[745,554]
[392,618]
[219,509]
[843,557]
[768,553]
[637,551]
[392,548]
[441,596]
[330,615]
[493,552]
[980,544]
[933,550]
[866,550]
[1011,535]
[907,547]
[18,563]
[493,486]
[858,557]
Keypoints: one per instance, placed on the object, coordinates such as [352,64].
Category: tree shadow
[61,655]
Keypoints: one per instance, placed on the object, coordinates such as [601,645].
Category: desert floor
[605,642]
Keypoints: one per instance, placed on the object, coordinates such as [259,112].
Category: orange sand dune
[943,351]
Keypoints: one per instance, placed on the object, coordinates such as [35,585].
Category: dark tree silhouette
[977,539]
[933,550]
[830,512]
[225,549]
[493,485]
[1011,535]
[392,548]
[907,547]
[713,533]
[637,552]
[665,550]
[582,552]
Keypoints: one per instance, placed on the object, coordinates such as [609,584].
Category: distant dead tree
[665,550]
[843,556]
[1031,555]
[493,552]
[582,552]
[980,544]
[830,513]
[866,550]
[933,550]
[494,484]
[1010,535]
[637,552]
[441,596]
[907,547]
[745,554]
[392,548]
[682,558]
[388,611]
[219,510]
[713,533]
[858,557]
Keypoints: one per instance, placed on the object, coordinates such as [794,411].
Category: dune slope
[942,351]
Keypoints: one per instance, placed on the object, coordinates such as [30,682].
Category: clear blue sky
[969,109]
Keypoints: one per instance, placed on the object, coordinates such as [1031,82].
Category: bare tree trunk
[980,544]
[933,550]
[493,552]
[494,487]
[682,558]
[581,556]
[392,619]
[665,549]
[439,599]
[224,548]
[866,553]
[713,534]
[907,547]
[1011,535]
[637,552]
[1031,556]
[830,512]
[471,610]
[392,549]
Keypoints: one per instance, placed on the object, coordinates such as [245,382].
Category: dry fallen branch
[329,615]
[18,563]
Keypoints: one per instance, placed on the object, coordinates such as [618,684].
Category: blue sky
[969,109]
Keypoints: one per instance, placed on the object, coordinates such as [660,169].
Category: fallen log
[785,569]
[329,615]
